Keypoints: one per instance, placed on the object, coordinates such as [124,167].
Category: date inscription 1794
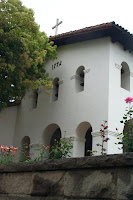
[56,64]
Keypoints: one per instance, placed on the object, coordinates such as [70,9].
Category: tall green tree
[24,51]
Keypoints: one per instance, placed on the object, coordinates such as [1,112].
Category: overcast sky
[77,14]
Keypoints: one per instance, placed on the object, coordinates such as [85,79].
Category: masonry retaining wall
[100,177]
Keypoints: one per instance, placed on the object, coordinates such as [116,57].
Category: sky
[77,14]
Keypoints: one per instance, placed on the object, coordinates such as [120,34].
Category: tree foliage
[24,51]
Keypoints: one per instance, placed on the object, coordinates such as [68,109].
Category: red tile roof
[116,32]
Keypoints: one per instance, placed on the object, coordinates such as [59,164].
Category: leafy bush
[126,137]
[61,149]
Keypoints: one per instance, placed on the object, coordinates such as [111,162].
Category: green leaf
[24,51]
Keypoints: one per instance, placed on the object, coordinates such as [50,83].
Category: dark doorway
[56,137]
[88,142]
[25,148]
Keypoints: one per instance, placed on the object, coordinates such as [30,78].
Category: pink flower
[13,152]
[102,135]
[13,148]
[129,100]
[102,125]
[105,127]
[5,149]
[1,147]
[47,148]
[29,157]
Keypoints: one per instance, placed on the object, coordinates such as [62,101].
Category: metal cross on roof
[56,26]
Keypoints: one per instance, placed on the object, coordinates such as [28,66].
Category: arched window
[79,79]
[51,132]
[51,136]
[88,142]
[54,141]
[125,76]
[25,148]
[55,90]
[35,98]
[55,137]
[83,132]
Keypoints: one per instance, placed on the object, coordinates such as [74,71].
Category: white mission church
[92,76]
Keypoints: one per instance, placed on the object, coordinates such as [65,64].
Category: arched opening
[51,133]
[35,98]
[83,131]
[125,76]
[79,79]
[55,137]
[88,142]
[128,133]
[55,90]
[25,149]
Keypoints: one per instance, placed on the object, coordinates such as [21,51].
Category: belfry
[92,76]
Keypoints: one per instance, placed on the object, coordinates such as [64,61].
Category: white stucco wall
[117,95]
[7,125]
[71,108]
[102,98]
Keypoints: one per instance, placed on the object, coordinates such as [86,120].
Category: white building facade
[92,76]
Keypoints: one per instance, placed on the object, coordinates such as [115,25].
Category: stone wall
[101,177]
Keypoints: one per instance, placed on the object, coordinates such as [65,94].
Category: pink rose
[47,148]
[129,100]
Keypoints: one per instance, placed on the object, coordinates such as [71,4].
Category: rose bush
[7,154]
[126,136]
[103,129]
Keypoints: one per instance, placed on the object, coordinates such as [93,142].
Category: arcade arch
[51,133]
[83,131]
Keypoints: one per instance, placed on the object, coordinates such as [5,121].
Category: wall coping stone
[113,160]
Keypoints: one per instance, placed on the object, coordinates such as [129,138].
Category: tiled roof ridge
[99,26]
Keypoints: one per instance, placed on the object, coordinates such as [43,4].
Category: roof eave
[116,32]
